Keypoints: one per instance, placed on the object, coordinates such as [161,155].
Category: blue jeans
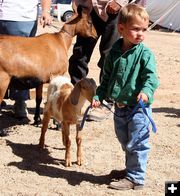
[133,135]
[19,28]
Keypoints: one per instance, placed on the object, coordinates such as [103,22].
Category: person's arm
[45,16]
[101,91]
[149,77]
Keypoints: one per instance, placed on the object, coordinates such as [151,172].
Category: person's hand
[113,7]
[142,96]
[95,103]
[45,18]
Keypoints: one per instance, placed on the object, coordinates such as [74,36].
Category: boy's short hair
[130,11]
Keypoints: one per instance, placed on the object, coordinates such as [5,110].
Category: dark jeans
[83,48]
[19,28]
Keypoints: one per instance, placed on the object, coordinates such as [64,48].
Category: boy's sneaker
[125,184]
[20,109]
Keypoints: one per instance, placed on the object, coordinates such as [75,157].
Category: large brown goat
[41,56]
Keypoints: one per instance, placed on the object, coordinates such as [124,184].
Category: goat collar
[64,31]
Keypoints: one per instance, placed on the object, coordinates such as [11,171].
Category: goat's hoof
[68,163]
[41,144]
[79,162]
[37,122]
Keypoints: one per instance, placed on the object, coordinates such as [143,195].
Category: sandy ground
[26,170]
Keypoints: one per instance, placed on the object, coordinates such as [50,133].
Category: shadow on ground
[170,112]
[7,118]
[39,160]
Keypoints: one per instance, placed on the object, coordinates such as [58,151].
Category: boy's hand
[142,96]
[95,103]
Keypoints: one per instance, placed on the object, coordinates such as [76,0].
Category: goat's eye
[83,87]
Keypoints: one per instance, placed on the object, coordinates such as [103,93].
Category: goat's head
[86,87]
[81,23]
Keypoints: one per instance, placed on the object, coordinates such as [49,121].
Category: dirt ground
[28,171]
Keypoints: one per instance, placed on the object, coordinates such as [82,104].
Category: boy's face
[133,32]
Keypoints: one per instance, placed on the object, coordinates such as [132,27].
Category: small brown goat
[41,56]
[64,103]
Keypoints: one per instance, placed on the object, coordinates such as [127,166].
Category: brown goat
[64,103]
[41,56]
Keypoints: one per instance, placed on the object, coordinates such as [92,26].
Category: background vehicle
[62,9]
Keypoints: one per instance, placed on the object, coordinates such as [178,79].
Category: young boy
[130,75]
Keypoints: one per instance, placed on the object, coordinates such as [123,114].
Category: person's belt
[121,105]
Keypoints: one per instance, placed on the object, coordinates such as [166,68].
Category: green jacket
[126,75]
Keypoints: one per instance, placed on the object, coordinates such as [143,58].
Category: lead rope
[140,104]
[84,117]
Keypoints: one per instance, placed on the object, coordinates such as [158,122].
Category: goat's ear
[74,97]
[83,9]
[79,9]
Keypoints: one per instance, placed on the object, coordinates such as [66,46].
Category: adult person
[104,17]
[130,76]
[20,18]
